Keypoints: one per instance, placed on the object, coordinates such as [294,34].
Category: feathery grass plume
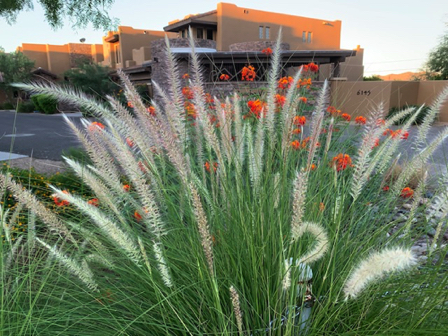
[161,264]
[68,95]
[288,113]
[321,244]
[287,277]
[259,148]
[203,228]
[298,205]
[131,167]
[418,161]
[30,201]
[175,92]
[251,156]
[316,124]
[99,156]
[102,192]
[439,208]
[375,267]
[272,88]
[276,190]
[144,255]
[238,143]
[107,226]
[329,136]
[82,271]
[5,223]
[10,256]
[429,118]
[417,197]
[225,120]
[237,309]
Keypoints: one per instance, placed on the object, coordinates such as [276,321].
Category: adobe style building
[56,59]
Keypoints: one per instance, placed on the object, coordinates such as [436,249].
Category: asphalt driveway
[36,135]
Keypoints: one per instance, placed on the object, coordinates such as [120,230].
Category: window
[199,33]
[183,33]
[117,53]
[209,34]
[260,32]
[304,37]
[309,37]
[268,35]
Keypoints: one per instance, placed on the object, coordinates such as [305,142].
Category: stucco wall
[58,58]
[36,53]
[236,24]
[358,98]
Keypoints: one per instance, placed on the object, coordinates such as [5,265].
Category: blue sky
[397,35]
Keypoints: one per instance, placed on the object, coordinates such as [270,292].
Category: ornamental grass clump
[210,221]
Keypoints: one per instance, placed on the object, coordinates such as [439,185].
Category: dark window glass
[199,33]
[209,34]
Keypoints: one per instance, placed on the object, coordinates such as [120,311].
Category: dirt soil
[47,167]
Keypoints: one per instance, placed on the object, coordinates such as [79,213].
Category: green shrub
[418,120]
[26,107]
[8,106]
[45,104]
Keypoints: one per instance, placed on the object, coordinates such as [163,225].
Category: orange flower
[313,166]
[59,202]
[285,82]
[142,167]
[405,135]
[224,77]
[280,100]
[255,106]
[94,202]
[377,143]
[185,76]
[137,216]
[151,110]
[321,206]
[360,120]
[296,131]
[342,161]
[332,110]
[129,142]
[295,144]
[407,192]
[94,126]
[190,109]
[267,51]
[346,116]
[304,82]
[305,68]
[299,120]
[126,187]
[188,94]
[208,166]
[130,105]
[380,122]
[386,188]
[303,99]
[313,67]
[248,73]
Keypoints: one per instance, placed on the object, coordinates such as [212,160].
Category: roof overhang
[193,21]
[291,57]
[42,72]
[112,39]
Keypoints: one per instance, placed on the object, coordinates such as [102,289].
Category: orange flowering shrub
[59,202]
[208,166]
[285,82]
[377,143]
[94,202]
[299,120]
[190,110]
[360,120]
[129,142]
[304,83]
[333,111]
[386,188]
[224,77]
[313,67]
[130,105]
[188,94]
[303,100]
[137,216]
[248,73]
[295,144]
[280,100]
[255,106]
[398,133]
[296,131]
[151,110]
[126,187]
[267,51]
[95,126]
[407,192]
[185,76]
[346,116]
[342,161]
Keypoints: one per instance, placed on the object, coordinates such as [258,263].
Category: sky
[397,35]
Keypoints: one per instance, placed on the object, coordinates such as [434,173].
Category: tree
[80,12]
[14,67]
[438,61]
[372,78]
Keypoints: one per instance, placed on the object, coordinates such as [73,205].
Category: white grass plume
[203,228]
[237,309]
[376,267]
[298,205]
[82,271]
[161,264]
[321,245]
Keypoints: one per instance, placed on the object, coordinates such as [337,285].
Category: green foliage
[437,63]
[372,78]
[26,107]
[15,67]
[80,12]
[7,106]
[45,103]
[418,120]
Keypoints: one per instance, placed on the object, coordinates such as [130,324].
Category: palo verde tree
[438,60]
[80,12]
